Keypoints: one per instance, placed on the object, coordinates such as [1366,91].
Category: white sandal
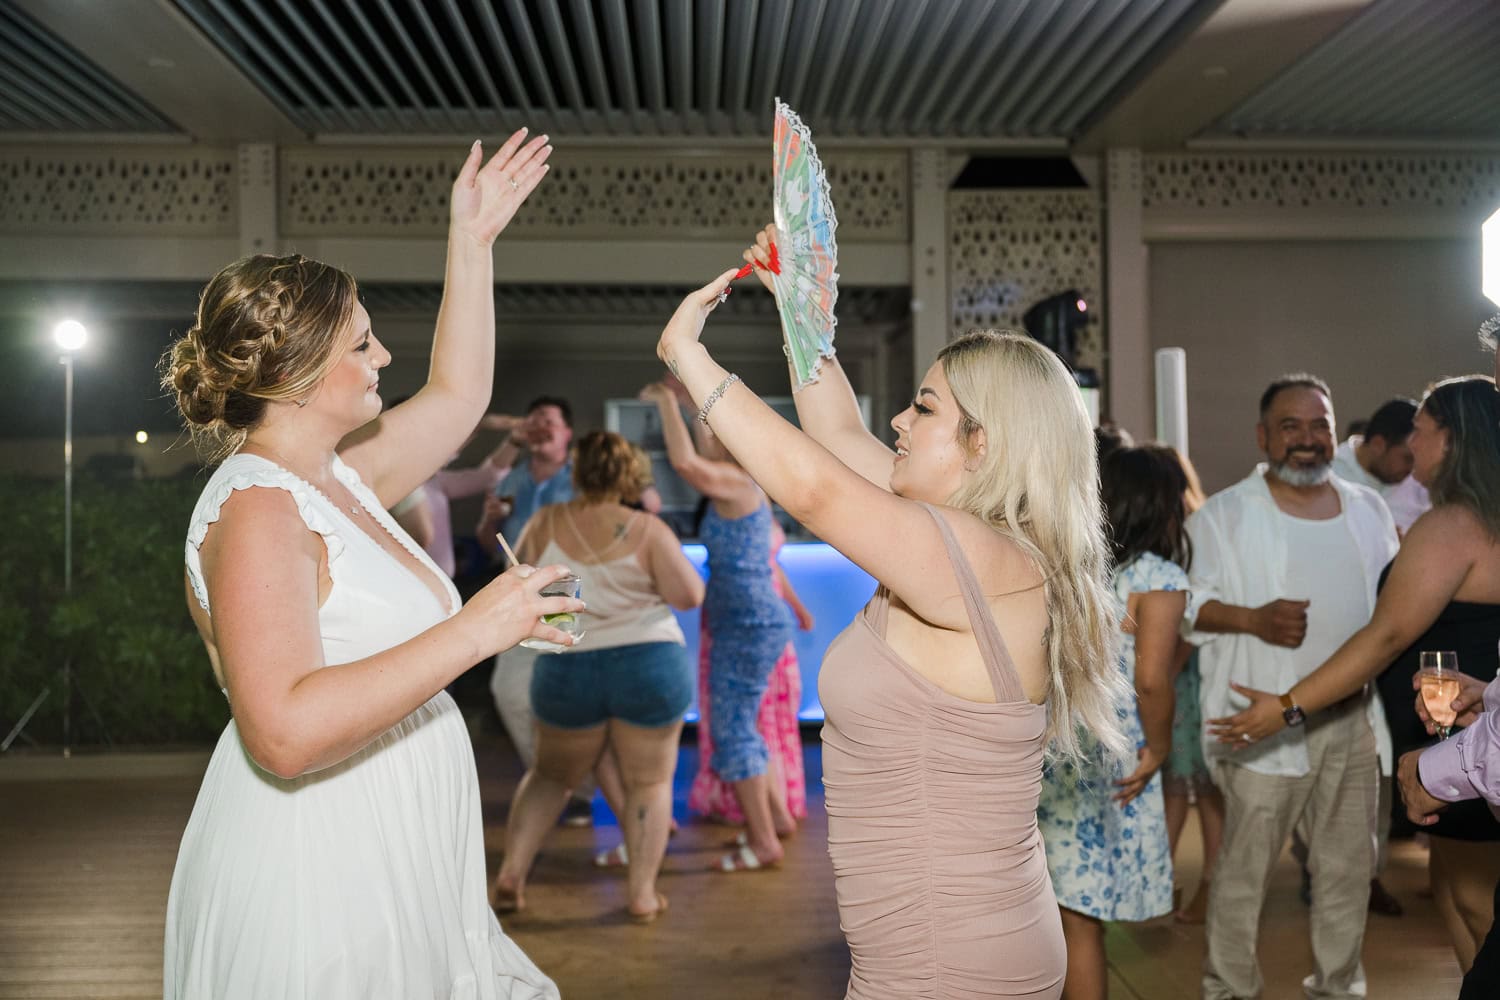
[615,857]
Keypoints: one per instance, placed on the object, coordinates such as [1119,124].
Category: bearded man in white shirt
[1379,458]
[1285,566]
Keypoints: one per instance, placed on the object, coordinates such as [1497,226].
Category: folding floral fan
[804,268]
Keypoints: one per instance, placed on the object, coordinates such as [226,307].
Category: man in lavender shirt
[1466,766]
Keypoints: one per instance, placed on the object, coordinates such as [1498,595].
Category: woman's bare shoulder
[1000,561]
[1449,524]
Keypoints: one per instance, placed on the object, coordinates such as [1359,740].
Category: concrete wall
[1375,319]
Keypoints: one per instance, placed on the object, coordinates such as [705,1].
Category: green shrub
[140,672]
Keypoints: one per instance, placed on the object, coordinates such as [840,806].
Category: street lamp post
[69,335]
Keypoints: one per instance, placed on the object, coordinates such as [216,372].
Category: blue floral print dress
[1111,861]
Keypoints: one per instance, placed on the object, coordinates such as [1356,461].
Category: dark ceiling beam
[156,52]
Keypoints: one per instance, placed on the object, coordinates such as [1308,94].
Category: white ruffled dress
[364,880]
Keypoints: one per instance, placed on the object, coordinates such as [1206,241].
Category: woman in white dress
[336,848]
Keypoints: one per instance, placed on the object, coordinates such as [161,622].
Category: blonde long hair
[1038,484]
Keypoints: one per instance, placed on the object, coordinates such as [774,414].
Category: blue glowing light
[832,587]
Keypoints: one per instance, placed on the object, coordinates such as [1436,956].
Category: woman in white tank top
[624,688]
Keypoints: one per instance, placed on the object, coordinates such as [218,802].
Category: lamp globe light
[70,334]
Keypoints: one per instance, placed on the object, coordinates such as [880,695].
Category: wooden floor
[85,863]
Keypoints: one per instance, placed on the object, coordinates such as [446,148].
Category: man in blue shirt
[544,477]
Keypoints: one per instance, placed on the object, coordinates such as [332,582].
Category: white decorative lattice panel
[154,192]
[1261,182]
[1008,250]
[587,195]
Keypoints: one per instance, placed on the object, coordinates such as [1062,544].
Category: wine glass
[1439,673]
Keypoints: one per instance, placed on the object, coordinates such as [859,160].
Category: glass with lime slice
[567,621]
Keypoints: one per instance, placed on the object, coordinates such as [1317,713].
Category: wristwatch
[1291,712]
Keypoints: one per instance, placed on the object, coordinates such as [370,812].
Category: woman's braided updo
[267,328]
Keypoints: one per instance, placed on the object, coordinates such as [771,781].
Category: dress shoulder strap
[241,472]
[992,648]
[878,611]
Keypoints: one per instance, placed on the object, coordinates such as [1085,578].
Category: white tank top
[624,606]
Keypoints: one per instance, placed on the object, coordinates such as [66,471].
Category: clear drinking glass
[567,621]
[1439,673]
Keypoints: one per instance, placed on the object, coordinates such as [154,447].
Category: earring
[302,402]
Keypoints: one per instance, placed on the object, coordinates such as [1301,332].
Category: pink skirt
[779,727]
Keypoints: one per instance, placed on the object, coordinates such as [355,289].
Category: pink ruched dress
[938,864]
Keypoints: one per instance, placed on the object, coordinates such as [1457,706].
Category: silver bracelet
[713,397]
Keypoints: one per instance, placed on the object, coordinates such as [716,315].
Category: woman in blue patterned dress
[749,625]
[1106,832]
[1185,778]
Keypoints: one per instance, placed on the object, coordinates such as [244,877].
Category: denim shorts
[648,684]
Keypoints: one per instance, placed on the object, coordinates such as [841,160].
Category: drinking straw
[508,550]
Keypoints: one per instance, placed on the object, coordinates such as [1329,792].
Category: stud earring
[302,402]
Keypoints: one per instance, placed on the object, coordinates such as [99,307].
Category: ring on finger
[1245,738]
[512,182]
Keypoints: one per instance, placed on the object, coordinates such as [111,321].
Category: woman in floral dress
[779,723]
[1106,831]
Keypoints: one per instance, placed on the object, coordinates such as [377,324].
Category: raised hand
[686,324]
[656,392]
[500,422]
[485,198]
[759,256]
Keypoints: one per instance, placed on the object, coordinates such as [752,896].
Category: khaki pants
[1336,800]
[1382,832]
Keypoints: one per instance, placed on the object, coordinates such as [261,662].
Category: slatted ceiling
[1398,68]
[1137,39]
[50,87]
[1145,26]
[895,68]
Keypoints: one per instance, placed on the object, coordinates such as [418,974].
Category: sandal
[742,839]
[615,857]
[744,860]
[649,916]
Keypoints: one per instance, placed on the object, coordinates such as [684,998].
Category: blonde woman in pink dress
[779,723]
[992,632]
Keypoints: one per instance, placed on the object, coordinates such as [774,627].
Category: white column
[931,325]
[258,200]
[1127,336]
